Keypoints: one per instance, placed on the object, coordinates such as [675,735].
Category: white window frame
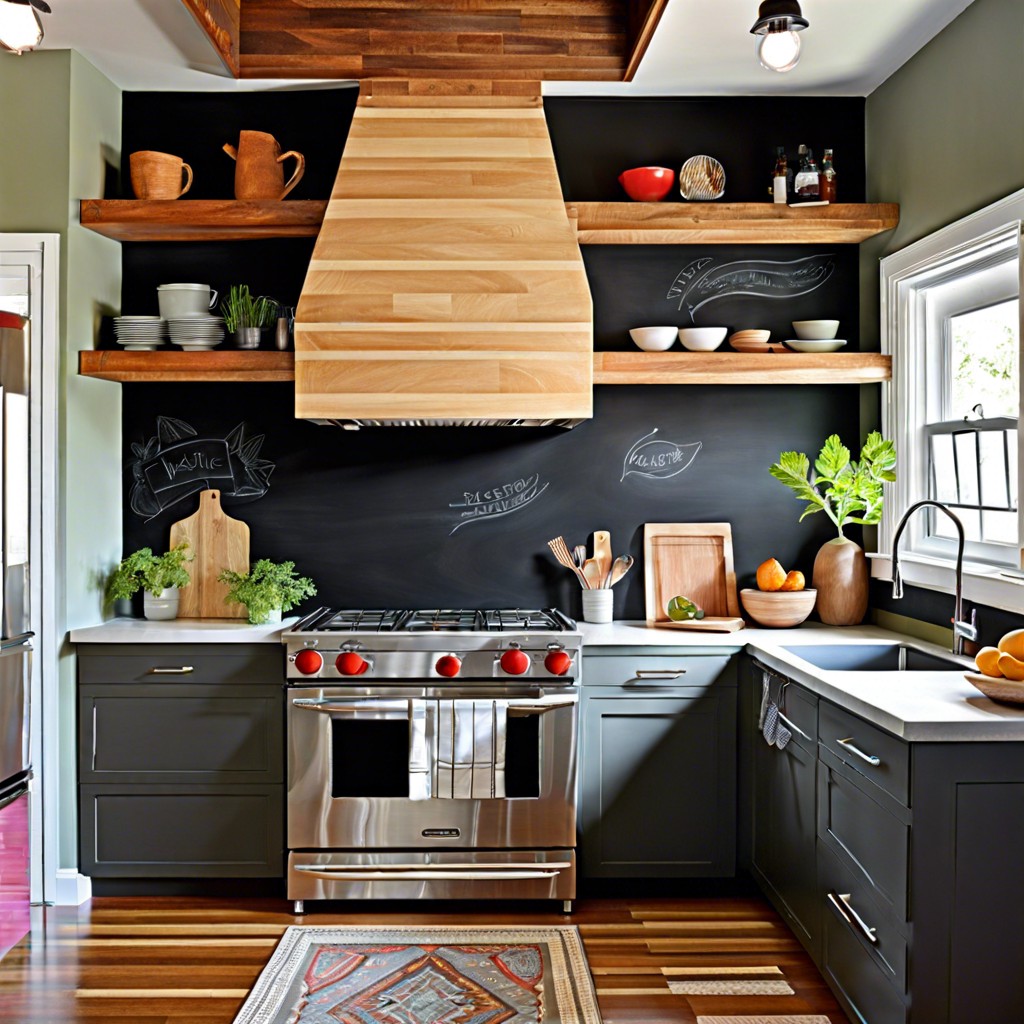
[905,278]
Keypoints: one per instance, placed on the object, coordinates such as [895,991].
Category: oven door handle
[331,706]
[376,873]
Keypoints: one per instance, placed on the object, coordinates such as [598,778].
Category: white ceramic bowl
[833,345]
[653,339]
[702,339]
[815,330]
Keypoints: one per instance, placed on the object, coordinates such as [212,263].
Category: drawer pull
[793,727]
[180,670]
[870,758]
[659,673]
[841,901]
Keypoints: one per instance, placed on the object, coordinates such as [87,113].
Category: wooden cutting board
[691,560]
[218,542]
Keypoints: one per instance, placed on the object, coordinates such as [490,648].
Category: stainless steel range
[432,754]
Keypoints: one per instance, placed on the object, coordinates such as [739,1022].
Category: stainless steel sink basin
[874,658]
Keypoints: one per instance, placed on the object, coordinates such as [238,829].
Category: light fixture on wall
[778,24]
[20,27]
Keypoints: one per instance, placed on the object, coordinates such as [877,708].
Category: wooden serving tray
[691,560]
[1006,691]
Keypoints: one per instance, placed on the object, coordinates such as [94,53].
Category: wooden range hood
[446,285]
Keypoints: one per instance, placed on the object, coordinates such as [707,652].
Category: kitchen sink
[874,658]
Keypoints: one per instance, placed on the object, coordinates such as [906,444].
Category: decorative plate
[702,178]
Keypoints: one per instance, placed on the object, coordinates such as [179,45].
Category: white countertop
[932,706]
[180,631]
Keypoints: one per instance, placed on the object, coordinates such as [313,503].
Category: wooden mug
[159,175]
[259,173]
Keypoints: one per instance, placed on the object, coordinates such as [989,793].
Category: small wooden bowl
[1007,691]
[778,609]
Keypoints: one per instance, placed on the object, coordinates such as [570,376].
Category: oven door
[426,769]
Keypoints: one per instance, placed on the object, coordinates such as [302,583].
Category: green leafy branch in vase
[846,491]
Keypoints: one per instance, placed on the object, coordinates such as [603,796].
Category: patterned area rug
[434,975]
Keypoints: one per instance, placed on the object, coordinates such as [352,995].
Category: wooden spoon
[592,573]
[620,567]
[603,554]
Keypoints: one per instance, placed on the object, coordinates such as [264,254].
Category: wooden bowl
[778,609]
[1004,690]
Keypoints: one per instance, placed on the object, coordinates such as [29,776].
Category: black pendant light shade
[779,16]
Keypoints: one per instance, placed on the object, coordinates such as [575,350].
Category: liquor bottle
[827,178]
[780,178]
[806,182]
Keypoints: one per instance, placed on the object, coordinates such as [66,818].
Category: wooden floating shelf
[170,365]
[609,367]
[201,220]
[740,368]
[211,220]
[726,223]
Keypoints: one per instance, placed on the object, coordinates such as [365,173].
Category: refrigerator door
[14,864]
[15,672]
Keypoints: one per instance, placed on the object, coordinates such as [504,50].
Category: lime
[682,608]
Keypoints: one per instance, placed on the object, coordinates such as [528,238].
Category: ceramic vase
[161,606]
[840,576]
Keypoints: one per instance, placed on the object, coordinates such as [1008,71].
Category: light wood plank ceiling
[577,40]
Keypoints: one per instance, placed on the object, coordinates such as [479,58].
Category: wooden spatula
[603,555]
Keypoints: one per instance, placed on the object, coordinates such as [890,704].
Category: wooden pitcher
[259,173]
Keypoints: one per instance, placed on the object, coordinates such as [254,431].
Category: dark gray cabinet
[181,760]
[783,805]
[658,765]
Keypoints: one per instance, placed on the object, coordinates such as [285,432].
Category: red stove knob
[515,662]
[557,663]
[348,663]
[309,662]
[448,665]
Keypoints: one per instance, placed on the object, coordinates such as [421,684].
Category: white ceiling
[850,48]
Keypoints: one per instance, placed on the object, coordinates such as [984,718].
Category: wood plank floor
[192,961]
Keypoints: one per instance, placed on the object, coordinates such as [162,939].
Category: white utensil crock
[597,605]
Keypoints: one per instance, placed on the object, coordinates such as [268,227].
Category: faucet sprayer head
[897,583]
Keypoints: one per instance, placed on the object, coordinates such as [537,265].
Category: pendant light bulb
[20,28]
[779,50]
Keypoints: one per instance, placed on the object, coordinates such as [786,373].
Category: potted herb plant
[245,315]
[846,491]
[267,590]
[160,576]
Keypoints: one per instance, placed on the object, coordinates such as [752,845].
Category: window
[951,320]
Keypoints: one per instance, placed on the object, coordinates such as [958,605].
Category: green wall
[63,128]
[945,134]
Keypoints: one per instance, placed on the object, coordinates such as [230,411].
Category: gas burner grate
[436,620]
[383,620]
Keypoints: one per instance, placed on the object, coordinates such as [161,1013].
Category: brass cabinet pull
[659,673]
[180,670]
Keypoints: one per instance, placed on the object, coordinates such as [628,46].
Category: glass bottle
[780,178]
[827,178]
[806,182]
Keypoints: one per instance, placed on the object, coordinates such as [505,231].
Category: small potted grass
[245,315]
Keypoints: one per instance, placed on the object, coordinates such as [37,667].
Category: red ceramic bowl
[647,184]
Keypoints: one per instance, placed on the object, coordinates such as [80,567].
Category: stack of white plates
[139,333]
[195,332]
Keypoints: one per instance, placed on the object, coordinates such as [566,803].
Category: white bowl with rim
[815,330]
[653,339]
[702,339]
[818,345]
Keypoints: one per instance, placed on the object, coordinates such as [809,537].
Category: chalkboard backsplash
[452,516]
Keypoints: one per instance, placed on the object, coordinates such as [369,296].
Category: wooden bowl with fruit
[1001,669]
[781,599]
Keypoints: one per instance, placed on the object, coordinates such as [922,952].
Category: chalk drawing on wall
[177,462]
[497,501]
[701,281]
[658,459]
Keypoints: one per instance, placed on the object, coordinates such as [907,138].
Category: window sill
[983,584]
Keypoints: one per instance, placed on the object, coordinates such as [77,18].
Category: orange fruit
[1011,667]
[987,660]
[770,575]
[794,580]
[1013,643]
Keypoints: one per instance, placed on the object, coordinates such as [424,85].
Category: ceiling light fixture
[20,27]
[778,24]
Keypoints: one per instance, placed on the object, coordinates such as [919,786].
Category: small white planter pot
[275,615]
[161,606]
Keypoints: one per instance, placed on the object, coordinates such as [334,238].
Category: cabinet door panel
[864,836]
[658,786]
[182,831]
[191,734]
[173,664]
[649,672]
